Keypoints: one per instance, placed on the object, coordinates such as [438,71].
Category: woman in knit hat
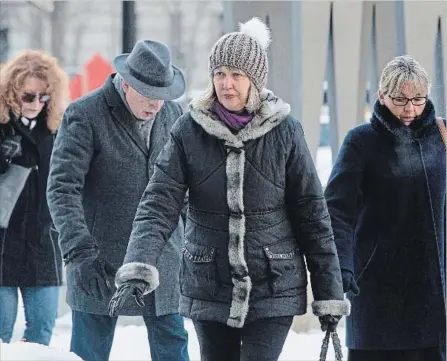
[256,210]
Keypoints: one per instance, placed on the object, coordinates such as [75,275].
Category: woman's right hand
[127,290]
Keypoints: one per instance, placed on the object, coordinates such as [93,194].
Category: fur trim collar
[272,112]
[382,116]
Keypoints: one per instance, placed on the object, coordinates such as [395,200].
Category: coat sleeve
[70,162]
[310,217]
[157,215]
[342,194]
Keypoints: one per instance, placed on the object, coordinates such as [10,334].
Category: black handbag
[13,180]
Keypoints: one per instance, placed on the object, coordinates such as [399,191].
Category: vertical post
[4,45]
[4,39]
[438,92]
[331,91]
[269,57]
[374,73]
[228,18]
[296,60]
[129,26]
[400,28]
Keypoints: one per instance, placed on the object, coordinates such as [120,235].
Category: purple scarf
[233,121]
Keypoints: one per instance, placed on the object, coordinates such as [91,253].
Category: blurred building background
[75,30]
[325,59]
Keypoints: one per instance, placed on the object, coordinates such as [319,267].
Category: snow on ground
[131,344]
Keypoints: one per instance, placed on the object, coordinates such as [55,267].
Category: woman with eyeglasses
[33,96]
[386,197]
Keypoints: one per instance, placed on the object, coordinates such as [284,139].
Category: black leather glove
[128,289]
[90,272]
[349,283]
[329,322]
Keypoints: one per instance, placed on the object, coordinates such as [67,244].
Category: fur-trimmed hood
[273,111]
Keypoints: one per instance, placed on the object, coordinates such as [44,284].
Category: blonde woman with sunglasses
[33,93]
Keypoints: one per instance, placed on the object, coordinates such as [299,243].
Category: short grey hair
[205,101]
[400,70]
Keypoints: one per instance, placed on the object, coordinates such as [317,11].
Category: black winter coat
[386,197]
[256,211]
[29,256]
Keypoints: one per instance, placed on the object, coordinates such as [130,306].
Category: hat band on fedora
[151,81]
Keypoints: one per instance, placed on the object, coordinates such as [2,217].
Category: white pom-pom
[257,30]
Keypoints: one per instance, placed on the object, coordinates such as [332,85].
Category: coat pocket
[287,268]
[198,271]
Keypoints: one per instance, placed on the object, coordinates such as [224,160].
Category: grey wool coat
[256,209]
[100,167]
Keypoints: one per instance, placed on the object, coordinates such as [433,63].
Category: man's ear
[125,86]
[381,97]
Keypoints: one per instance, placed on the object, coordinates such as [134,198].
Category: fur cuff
[138,271]
[331,307]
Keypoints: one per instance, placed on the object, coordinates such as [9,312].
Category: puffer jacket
[256,212]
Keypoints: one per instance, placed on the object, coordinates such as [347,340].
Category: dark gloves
[349,283]
[329,312]
[329,322]
[135,280]
[131,288]
[90,272]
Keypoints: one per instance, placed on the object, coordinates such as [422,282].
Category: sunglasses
[31,97]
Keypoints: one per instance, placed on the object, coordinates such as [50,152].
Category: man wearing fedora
[103,157]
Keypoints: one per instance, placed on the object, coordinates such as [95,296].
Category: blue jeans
[40,305]
[92,337]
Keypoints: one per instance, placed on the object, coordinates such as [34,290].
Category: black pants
[423,354]
[261,340]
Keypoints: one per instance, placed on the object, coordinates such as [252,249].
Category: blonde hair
[33,63]
[400,70]
[205,101]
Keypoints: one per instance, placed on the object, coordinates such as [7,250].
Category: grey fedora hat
[148,69]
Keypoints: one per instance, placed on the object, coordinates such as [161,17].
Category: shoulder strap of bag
[336,344]
[442,130]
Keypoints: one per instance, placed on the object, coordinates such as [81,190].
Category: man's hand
[128,289]
[90,273]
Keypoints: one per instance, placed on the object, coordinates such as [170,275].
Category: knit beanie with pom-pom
[245,50]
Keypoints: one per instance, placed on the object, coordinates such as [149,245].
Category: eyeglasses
[402,101]
[31,97]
